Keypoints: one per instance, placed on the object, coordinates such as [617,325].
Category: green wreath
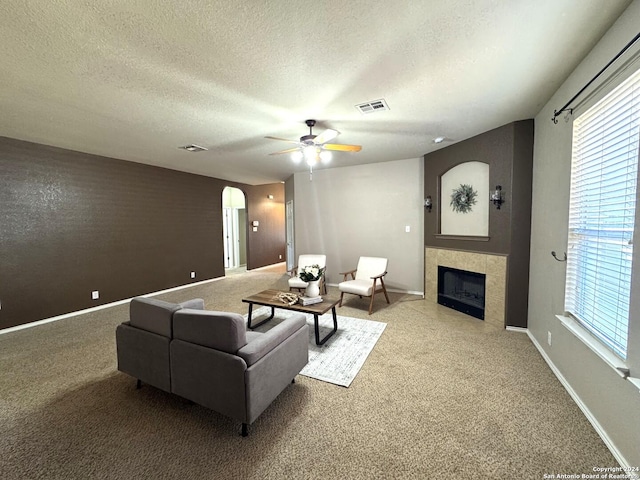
[463,198]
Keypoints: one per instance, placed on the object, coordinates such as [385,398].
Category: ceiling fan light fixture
[325,156]
[297,156]
[314,148]
[310,154]
[327,135]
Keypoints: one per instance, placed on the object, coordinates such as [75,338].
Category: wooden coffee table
[268,299]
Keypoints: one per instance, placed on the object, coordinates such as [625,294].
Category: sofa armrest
[143,355]
[258,348]
[195,303]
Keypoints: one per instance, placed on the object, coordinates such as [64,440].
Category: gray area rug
[340,359]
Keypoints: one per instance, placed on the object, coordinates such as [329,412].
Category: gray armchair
[209,358]
[143,342]
[216,363]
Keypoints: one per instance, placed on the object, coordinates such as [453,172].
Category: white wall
[233,198]
[611,403]
[363,210]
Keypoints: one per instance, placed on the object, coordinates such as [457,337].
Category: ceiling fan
[314,148]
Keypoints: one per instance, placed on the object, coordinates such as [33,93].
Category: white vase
[313,289]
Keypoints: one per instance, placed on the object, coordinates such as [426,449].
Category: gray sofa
[209,358]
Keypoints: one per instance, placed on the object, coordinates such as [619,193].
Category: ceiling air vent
[194,148]
[375,106]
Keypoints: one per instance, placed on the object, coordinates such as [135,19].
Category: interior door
[234,227]
[290,235]
[227,233]
[242,236]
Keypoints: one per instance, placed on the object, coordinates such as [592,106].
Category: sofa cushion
[152,315]
[258,347]
[251,336]
[197,303]
[297,282]
[357,287]
[223,331]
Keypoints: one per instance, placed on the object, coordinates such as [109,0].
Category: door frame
[290,234]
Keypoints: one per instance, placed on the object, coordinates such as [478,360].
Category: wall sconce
[496,197]
[428,204]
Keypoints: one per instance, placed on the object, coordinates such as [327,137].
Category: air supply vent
[194,148]
[374,106]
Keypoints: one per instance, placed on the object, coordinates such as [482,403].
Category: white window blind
[604,174]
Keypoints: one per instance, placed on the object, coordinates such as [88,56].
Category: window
[604,174]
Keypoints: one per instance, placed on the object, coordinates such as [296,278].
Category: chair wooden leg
[373,294]
[341,295]
[384,289]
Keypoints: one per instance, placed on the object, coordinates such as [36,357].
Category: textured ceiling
[135,80]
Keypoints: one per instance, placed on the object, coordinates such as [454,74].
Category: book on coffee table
[309,300]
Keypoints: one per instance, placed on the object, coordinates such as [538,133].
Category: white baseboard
[517,329]
[100,307]
[394,290]
[585,410]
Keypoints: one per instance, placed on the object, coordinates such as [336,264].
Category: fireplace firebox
[462,291]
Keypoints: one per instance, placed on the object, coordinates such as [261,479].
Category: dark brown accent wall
[71,223]
[509,152]
[267,245]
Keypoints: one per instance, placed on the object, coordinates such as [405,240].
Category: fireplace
[462,290]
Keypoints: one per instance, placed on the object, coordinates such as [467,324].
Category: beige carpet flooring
[442,395]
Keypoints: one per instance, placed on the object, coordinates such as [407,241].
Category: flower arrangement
[311,273]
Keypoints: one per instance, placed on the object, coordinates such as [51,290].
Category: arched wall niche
[464,200]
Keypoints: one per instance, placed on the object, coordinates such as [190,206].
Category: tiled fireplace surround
[493,266]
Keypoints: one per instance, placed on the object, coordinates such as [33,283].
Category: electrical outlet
[549,338]
[279,257]
[193,274]
[95,295]
[407,228]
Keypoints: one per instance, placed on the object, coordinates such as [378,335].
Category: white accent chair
[366,279]
[295,282]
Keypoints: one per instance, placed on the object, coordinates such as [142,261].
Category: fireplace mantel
[493,266]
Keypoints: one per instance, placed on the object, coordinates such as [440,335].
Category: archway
[234,229]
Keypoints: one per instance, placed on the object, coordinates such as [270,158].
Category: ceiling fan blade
[283,140]
[325,136]
[342,148]
[289,150]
